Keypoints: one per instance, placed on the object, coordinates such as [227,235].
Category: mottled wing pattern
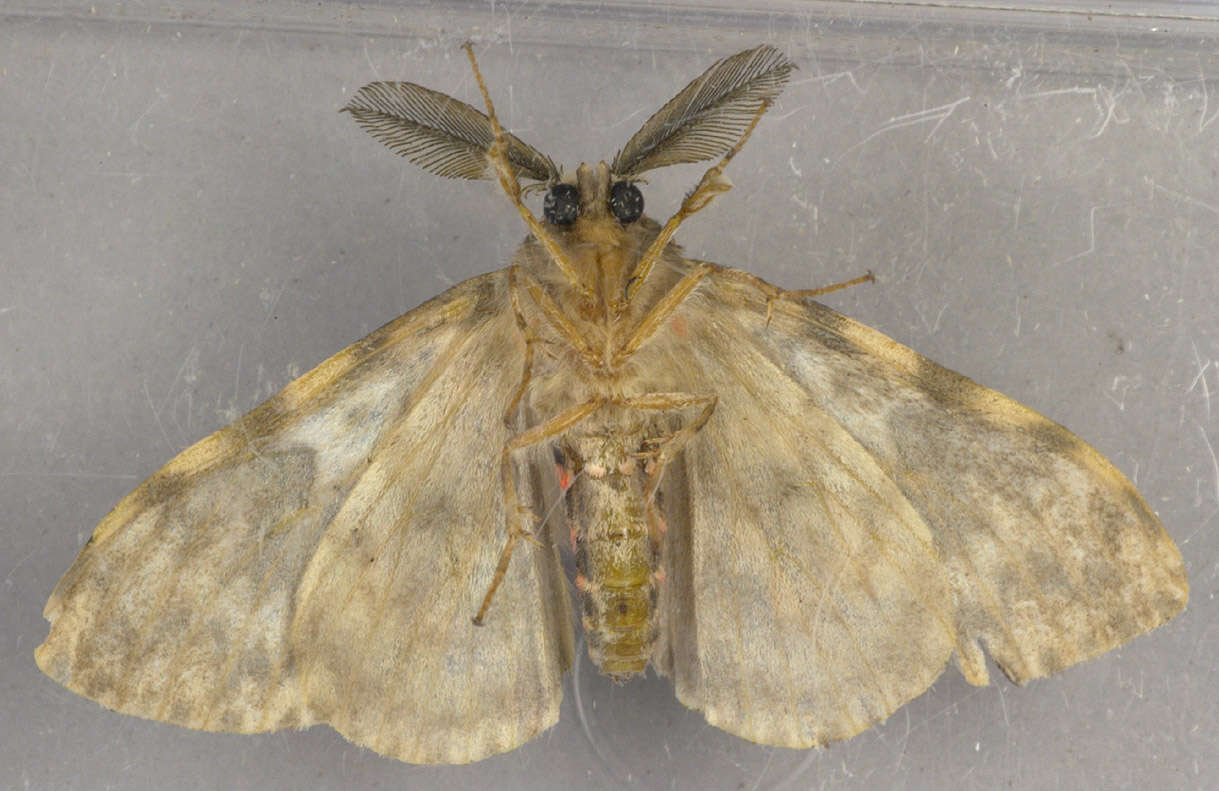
[805,598]
[858,513]
[320,559]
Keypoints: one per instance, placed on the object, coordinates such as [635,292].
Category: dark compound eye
[562,204]
[626,202]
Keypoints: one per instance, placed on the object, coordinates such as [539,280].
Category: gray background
[186,224]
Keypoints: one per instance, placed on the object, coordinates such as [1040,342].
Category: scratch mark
[800,769]
[372,66]
[1120,387]
[1059,92]
[1214,461]
[936,327]
[831,78]
[237,375]
[1091,240]
[139,119]
[156,416]
[757,783]
[8,578]
[626,119]
[1181,196]
[904,742]
[1019,205]
[938,114]
[1201,377]
[269,304]
[1203,121]
[790,113]
[1106,97]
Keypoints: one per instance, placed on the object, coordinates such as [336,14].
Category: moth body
[615,542]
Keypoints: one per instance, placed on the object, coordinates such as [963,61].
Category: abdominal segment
[616,559]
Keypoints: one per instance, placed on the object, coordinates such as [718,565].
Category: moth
[797,519]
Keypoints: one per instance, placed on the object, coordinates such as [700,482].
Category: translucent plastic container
[187,223]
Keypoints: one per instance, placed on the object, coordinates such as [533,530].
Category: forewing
[281,571]
[1020,536]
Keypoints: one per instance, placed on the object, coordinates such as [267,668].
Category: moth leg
[773,293]
[560,323]
[808,293]
[660,312]
[514,296]
[498,154]
[531,340]
[512,509]
[668,449]
[712,184]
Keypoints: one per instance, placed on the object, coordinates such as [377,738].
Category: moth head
[594,193]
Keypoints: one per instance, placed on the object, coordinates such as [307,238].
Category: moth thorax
[617,561]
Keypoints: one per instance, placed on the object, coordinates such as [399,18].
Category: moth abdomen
[620,624]
[617,561]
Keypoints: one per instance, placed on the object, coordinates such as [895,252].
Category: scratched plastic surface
[186,223]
